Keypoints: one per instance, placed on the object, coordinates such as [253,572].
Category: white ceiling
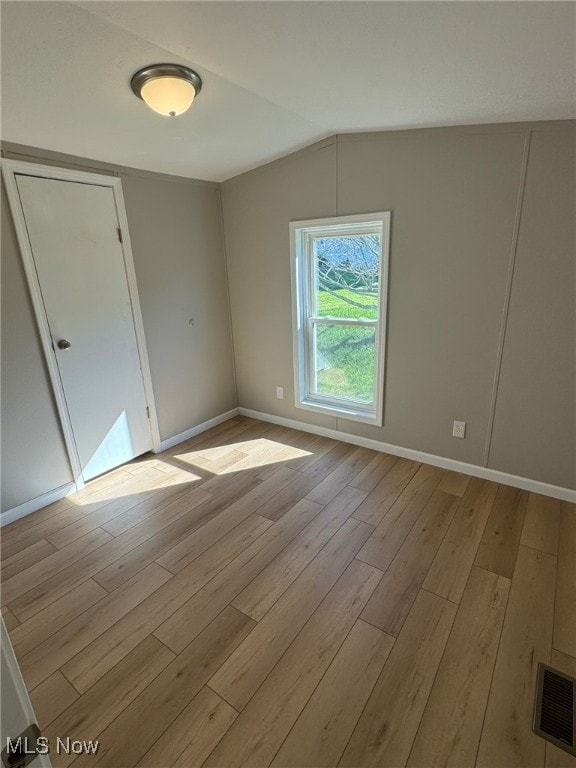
[277,75]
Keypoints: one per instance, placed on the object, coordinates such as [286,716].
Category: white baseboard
[35,504]
[59,493]
[170,442]
[557,492]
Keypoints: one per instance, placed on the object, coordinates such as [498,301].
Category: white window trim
[299,231]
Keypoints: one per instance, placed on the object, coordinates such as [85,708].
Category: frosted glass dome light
[168,89]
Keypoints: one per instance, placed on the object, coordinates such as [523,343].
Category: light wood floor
[260,596]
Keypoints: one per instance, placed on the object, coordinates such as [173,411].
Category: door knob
[63,344]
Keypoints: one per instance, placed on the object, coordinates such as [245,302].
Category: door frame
[12,168]
[22,712]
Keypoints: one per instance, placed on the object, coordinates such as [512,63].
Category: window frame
[302,234]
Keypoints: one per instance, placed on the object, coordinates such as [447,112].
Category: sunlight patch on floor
[142,482]
[242,456]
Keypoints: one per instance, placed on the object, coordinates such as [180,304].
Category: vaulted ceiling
[277,75]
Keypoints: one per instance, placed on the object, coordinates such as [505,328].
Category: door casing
[16,712]
[12,168]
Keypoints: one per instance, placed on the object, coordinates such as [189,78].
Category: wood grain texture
[391,602]
[154,549]
[565,610]
[169,693]
[305,482]
[57,649]
[507,738]
[541,523]
[183,495]
[452,722]
[382,546]
[239,677]
[22,582]
[454,482]
[226,517]
[189,518]
[24,524]
[113,692]
[563,662]
[47,590]
[10,620]
[51,698]
[321,733]
[374,471]
[136,506]
[45,623]
[384,495]
[390,720]
[255,737]
[333,483]
[25,558]
[188,547]
[261,594]
[499,545]
[15,540]
[125,634]
[451,567]
[189,620]
[193,734]
[280,447]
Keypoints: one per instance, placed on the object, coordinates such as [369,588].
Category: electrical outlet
[459,429]
[280,393]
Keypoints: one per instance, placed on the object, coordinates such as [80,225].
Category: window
[339,274]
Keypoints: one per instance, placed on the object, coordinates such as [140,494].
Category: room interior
[239,559]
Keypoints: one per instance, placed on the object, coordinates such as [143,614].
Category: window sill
[341,412]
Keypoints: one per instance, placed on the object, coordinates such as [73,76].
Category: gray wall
[464,342]
[454,195]
[258,207]
[535,424]
[176,232]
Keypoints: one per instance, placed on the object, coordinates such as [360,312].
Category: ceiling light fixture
[168,89]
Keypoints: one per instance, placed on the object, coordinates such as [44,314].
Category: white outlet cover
[280,393]
[459,429]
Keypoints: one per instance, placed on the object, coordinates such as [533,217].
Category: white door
[74,237]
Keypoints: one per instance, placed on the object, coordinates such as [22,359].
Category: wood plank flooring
[259,596]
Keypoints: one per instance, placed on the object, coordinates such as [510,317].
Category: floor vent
[554,713]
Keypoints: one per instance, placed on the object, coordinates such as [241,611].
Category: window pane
[345,361]
[346,276]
